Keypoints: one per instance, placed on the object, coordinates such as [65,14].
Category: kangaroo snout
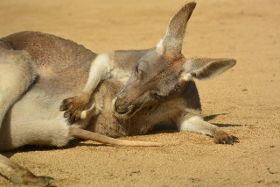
[122,105]
[123,109]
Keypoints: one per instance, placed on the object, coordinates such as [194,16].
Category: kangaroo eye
[155,95]
[139,72]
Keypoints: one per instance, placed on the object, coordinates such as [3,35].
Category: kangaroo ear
[173,39]
[204,68]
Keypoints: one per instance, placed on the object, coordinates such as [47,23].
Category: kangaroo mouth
[125,112]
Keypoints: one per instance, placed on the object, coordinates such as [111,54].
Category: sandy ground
[248,30]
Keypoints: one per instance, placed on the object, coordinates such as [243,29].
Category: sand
[249,94]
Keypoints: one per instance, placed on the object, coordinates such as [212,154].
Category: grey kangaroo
[139,89]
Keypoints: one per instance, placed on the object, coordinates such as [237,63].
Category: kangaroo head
[159,71]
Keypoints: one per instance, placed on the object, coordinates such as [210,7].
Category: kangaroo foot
[25,177]
[221,137]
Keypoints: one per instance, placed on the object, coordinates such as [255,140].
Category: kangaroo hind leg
[19,175]
[198,125]
[17,73]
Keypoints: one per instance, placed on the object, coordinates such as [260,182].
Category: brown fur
[55,57]
[167,109]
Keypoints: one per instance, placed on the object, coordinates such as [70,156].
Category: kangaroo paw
[73,107]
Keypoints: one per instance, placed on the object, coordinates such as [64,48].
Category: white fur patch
[159,47]
[99,70]
[84,114]
[92,110]
[197,124]
[120,75]
[189,124]
[186,77]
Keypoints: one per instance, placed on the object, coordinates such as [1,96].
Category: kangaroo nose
[121,105]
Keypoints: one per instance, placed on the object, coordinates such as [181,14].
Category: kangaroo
[31,88]
[141,89]
[150,77]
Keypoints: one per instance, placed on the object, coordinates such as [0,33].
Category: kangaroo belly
[34,120]
[63,67]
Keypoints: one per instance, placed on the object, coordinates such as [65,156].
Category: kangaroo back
[63,60]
